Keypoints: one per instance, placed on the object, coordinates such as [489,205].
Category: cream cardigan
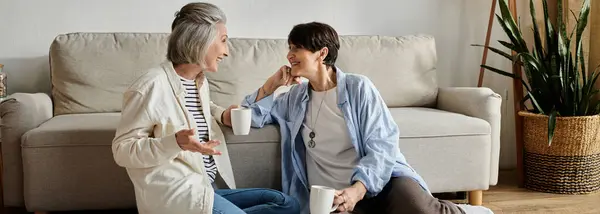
[167,179]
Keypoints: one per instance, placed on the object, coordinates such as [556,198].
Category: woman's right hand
[280,78]
[186,139]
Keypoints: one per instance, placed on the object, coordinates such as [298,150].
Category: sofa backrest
[90,71]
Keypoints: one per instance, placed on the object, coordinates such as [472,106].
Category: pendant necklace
[311,142]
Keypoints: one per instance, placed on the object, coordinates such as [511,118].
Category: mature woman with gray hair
[169,138]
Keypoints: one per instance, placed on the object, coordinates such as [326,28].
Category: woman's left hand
[347,198]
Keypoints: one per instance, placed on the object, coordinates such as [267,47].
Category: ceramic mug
[240,121]
[321,200]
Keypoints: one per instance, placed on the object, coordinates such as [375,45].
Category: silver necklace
[311,142]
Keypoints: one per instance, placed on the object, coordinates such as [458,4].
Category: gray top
[333,158]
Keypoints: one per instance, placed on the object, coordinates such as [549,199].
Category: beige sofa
[57,154]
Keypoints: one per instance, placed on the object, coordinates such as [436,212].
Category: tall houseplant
[565,109]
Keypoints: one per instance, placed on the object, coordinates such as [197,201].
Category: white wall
[29,26]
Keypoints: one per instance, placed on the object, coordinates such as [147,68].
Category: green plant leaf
[555,76]
[589,93]
[551,34]
[597,108]
[508,45]
[551,126]
[535,103]
[536,31]
[559,19]
[529,59]
[498,51]
[508,32]
[508,23]
[581,24]
[498,71]
[575,16]
[525,98]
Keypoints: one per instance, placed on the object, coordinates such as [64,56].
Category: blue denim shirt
[372,129]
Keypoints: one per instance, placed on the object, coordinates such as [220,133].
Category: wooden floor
[506,197]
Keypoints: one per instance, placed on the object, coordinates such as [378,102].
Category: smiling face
[303,61]
[217,50]
[312,45]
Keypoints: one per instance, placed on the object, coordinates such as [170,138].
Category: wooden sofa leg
[476,197]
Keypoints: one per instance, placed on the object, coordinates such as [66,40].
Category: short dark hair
[314,36]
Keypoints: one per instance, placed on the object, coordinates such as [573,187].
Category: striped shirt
[194,106]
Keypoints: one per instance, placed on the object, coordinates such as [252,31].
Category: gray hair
[192,32]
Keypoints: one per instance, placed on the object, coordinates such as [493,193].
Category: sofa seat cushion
[450,151]
[68,165]
[427,122]
[254,157]
[96,129]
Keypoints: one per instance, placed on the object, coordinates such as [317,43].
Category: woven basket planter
[571,165]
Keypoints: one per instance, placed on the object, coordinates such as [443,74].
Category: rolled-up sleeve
[264,110]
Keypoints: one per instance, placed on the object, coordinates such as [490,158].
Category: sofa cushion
[69,149]
[428,122]
[71,155]
[74,130]
[464,142]
[104,64]
[75,138]
[450,163]
[403,68]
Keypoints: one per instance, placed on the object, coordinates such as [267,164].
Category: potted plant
[561,130]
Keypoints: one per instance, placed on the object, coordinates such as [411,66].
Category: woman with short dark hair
[336,131]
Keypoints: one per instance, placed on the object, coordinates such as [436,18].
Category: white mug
[321,200]
[240,121]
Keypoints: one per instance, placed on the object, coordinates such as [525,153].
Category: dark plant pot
[571,165]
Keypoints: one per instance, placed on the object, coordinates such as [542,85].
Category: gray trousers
[405,195]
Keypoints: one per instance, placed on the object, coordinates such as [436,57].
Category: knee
[291,204]
[283,201]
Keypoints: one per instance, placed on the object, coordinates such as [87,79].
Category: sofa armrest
[20,113]
[481,103]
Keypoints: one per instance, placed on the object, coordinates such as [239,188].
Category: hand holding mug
[186,139]
[347,198]
[226,116]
